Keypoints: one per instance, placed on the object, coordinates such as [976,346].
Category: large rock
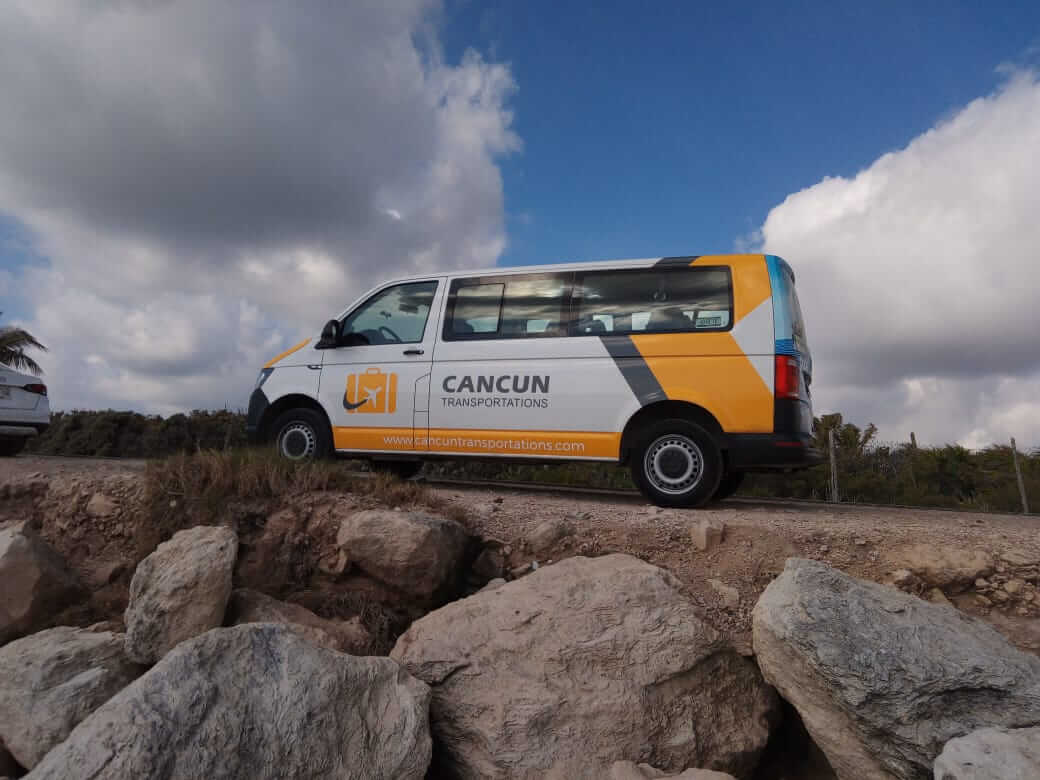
[418,554]
[52,680]
[179,591]
[250,606]
[883,679]
[254,701]
[581,664]
[944,567]
[991,754]
[34,582]
[629,770]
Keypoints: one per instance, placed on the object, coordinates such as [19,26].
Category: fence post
[834,467]
[1018,476]
[913,452]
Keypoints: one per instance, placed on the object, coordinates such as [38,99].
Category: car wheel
[728,485]
[677,463]
[404,469]
[302,434]
[11,447]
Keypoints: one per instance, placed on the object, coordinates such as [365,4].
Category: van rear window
[654,300]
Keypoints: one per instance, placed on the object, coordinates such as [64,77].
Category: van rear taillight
[35,388]
[786,378]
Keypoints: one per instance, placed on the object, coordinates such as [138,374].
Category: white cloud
[918,277]
[209,181]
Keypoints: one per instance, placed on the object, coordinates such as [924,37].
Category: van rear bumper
[771,451]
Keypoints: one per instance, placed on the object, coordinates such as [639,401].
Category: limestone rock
[629,770]
[250,606]
[581,664]
[708,534]
[254,701]
[418,554]
[936,596]
[730,596]
[34,582]
[101,505]
[549,532]
[883,679]
[51,680]
[946,567]
[489,565]
[991,754]
[179,591]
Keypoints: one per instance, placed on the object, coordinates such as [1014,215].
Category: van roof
[736,259]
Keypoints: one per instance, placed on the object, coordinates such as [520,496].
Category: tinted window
[794,311]
[508,307]
[396,315]
[477,309]
[654,301]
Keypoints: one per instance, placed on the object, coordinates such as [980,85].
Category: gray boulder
[991,754]
[883,679]
[418,554]
[581,664]
[35,582]
[250,606]
[52,680]
[629,770]
[179,591]
[254,701]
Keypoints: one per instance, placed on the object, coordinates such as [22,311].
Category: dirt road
[871,543]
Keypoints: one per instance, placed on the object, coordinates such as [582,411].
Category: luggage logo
[372,392]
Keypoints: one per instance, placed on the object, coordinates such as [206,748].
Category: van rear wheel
[676,463]
[11,447]
[302,434]
[728,485]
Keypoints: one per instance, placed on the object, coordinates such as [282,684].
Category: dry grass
[214,487]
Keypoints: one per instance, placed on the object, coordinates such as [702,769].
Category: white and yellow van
[693,370]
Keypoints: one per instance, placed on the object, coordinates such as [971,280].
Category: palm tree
[13,343]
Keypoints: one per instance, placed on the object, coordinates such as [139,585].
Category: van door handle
[413,352]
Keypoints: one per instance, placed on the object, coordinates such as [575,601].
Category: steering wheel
[394,336]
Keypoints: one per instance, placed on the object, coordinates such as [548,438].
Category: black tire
[676,463]
[302,434]
[405,469]
[728,485]
[11,447]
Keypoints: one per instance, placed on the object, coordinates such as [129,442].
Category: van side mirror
[329,335]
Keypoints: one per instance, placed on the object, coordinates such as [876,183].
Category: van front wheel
[676,463]
[302,434]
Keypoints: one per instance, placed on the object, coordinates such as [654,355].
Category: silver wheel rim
[297,441]
[674,464]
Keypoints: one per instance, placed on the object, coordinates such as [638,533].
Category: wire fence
[857,469]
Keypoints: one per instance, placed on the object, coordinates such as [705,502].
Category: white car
[24,409]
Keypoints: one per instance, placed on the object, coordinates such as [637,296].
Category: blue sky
[671,128]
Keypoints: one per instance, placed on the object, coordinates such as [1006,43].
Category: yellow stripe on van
[750,280]
[287,352]
[571,444]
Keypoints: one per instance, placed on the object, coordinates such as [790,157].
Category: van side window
[478,309]
[654,301]
[510,307]
[396,315]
